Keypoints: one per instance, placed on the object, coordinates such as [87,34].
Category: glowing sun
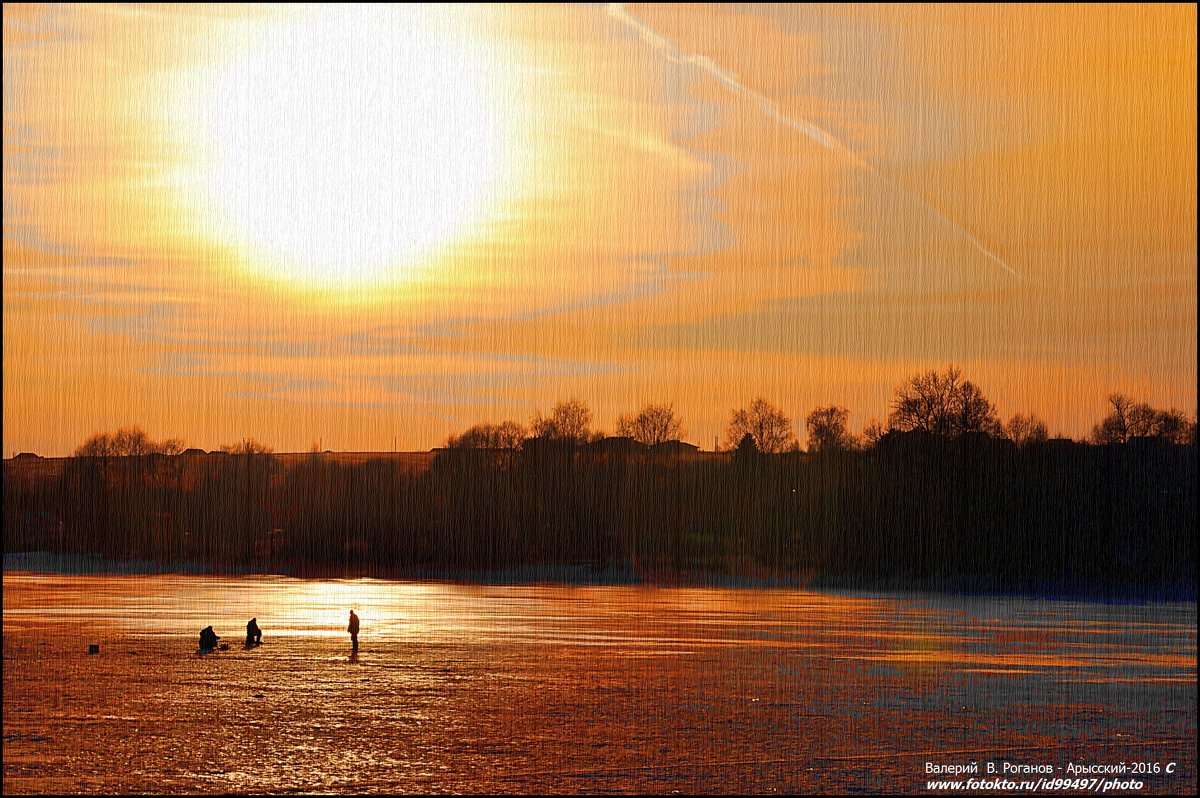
[350,144]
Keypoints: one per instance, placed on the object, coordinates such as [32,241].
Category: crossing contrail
[769,108]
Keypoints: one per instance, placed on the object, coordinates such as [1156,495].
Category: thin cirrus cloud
[803,126]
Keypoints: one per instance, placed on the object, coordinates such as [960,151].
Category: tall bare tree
[505,435]
[1024,430]
[127,442]
[766,424]
[827,430]
[570,420]
[872,432]
[942,404]
[1129,419]
[653,424]
[98,445]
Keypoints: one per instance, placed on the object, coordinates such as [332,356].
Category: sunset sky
[361,225]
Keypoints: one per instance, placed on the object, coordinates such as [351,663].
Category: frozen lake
[460,688]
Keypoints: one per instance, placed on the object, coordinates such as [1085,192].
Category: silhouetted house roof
[913,445]
[28,456]
[535,451]
[983,441]
[615,445]
[1057,449]
[1150,442]
[673,449]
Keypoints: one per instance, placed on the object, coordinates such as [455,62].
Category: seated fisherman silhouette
[208,638]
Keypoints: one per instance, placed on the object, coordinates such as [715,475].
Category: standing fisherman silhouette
[253,633]
[353,630]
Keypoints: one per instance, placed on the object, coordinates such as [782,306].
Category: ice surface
[551,688]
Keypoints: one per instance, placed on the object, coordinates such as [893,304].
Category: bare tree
[827,430]
[1130,419]
[127,442]
[766,424]
[653,424]
[570,420]
[133,442]
[505,435]
[98,445]
[1024,430]
[872,432]
[510,435]
[944,405]
[1175,427]
[1115,428]
[247,446]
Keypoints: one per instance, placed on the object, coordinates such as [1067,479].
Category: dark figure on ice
[353,630]
[208,639]
[253,633]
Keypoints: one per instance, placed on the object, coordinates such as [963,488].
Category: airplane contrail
[823,137]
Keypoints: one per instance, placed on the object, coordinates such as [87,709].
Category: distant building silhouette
[615,445]
[674,450]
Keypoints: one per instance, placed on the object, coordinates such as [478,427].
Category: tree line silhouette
[943,495]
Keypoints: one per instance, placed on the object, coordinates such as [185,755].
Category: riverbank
[614,574]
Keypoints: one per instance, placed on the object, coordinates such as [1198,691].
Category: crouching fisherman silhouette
[208,639]
[253,633]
